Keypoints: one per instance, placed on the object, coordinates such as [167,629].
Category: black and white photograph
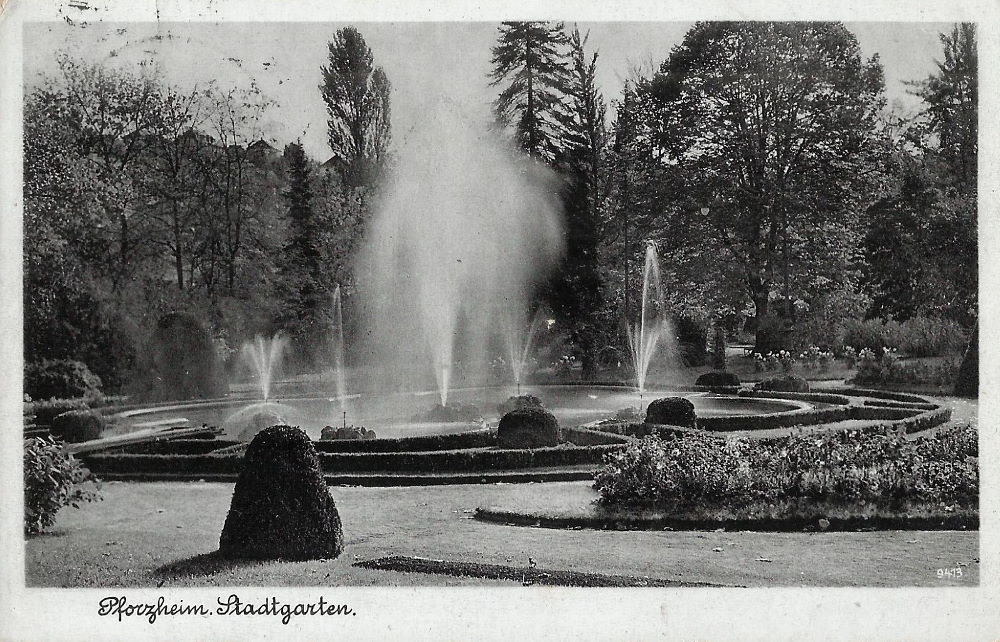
[502,313]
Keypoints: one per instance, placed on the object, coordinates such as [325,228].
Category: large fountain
[466,231]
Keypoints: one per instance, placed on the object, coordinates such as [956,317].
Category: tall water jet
[466,230]
[644,335]
[263,356]
[338,349]
[520,340]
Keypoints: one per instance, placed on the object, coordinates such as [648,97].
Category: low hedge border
[454,441]
[382,479]
[184,446]
[816,397]
[588,437]
[432,461]
[878,394]
[900,404]
[963,520]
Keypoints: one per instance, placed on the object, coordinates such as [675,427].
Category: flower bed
[873,465]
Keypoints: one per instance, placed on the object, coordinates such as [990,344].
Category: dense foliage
[52,479]
[60,379]
[672,411]
[79,425]
[871,466]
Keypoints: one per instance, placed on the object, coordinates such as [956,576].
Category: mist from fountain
[263,356]
[466,230]
[644,335]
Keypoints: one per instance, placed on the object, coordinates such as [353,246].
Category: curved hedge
[454,441]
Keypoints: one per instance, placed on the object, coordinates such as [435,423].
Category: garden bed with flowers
[848,480]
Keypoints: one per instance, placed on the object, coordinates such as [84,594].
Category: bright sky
[426,62]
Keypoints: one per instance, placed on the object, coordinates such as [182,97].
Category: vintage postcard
[458,322]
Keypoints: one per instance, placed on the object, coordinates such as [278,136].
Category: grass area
[150,534]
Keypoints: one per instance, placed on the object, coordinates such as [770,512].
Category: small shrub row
[456,441]
[815,397]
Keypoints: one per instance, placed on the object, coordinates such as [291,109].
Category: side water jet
[263,356]
[518,351]
[644,335]
[338,350]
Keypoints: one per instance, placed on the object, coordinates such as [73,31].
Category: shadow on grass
[203,565]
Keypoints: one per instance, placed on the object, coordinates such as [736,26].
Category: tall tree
[356,93]
[773,128]
[575,291]
[307,298]
[529,58]
[951,96]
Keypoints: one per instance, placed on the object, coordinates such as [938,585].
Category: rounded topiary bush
[45,412]
[786,383]
[281,506]
[520,401]
[718,379]
[528,428]
[60,379]
[672,411]
[79,425]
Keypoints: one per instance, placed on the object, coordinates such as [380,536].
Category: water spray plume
[644,335]
[465,231]
[264,356]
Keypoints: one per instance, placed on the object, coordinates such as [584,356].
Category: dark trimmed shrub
[672,411]
[46,411]
[520,401]
[786,383]
[75,426]
[60,379]
[281,506]
[528,428]
[718,379]
[52,479]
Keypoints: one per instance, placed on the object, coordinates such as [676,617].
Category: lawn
[148,534]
